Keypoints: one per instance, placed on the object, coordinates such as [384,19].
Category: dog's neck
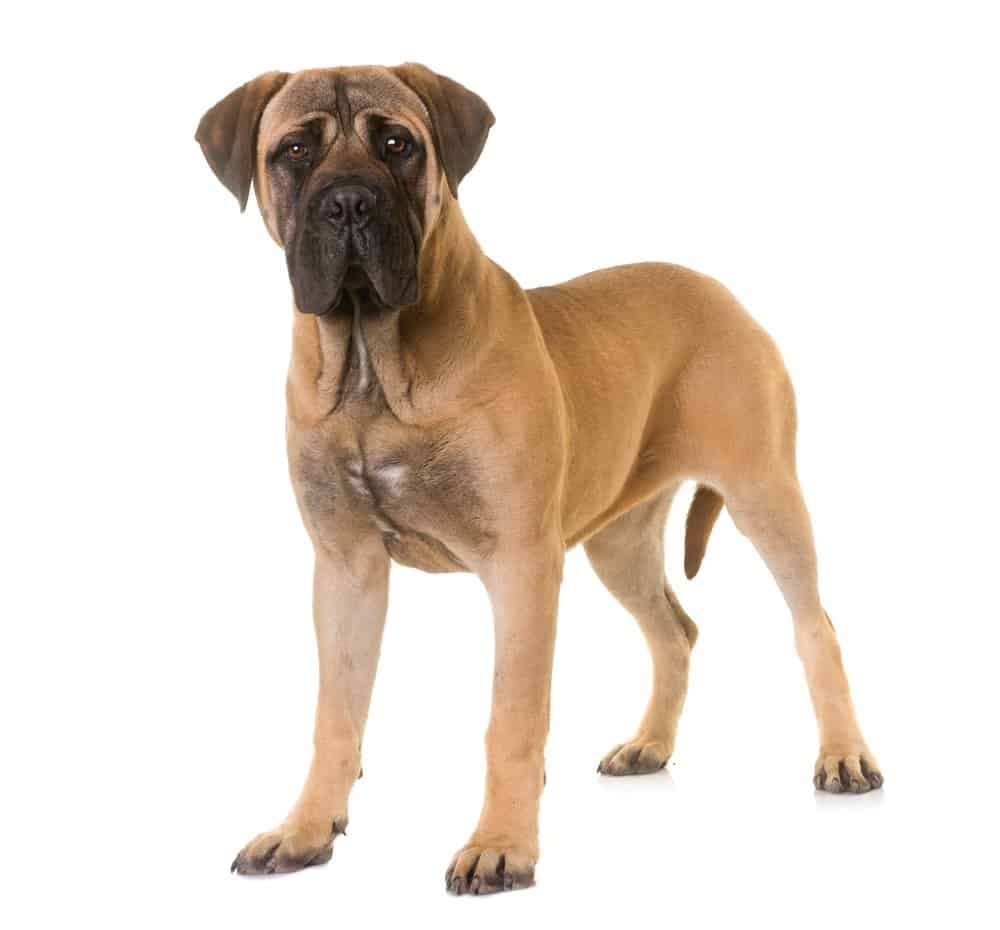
[416,359]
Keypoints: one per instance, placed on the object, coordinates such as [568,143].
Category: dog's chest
[416,490]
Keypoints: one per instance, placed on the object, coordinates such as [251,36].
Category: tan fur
[488,429]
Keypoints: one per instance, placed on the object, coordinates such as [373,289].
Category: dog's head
[351,167]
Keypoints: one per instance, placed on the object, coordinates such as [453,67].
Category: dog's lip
[357,285]
[356,277]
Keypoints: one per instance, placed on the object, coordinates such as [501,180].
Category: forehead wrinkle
[304,91]
[390,116]
[369,87]
[328,129]
[343,105]
[328,90]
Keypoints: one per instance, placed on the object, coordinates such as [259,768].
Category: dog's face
[351,167]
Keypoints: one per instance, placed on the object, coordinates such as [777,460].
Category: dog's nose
[349,204]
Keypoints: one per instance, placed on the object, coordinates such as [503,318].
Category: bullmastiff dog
[443,417]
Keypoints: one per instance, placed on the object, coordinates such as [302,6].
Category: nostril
[344,205]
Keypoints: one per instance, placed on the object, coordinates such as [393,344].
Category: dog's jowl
[442,417]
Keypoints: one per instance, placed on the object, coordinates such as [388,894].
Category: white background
[835,165]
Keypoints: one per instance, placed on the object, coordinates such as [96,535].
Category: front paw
[488,868]
[639,756]
[852,769]
[290,847]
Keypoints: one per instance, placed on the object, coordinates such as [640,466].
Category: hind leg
[628,557]
[772,514]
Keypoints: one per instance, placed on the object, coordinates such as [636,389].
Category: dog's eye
[398,145]
[297,151]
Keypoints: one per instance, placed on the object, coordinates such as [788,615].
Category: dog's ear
[460,119]
[227,133]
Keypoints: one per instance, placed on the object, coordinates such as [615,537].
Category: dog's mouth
[355,289]
[356,277]
[375,267]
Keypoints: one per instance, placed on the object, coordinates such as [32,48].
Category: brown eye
[397,145]
[297,151]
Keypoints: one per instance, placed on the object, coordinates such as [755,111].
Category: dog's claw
[852,772]
[288,849]
[480,870]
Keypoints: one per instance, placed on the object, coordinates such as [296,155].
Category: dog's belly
[416,492]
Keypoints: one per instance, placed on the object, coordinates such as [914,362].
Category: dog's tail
[705,510]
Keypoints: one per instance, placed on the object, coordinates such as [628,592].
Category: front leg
[501,853]
[349,604]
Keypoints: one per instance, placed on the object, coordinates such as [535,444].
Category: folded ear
[460,119]
[227,133]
